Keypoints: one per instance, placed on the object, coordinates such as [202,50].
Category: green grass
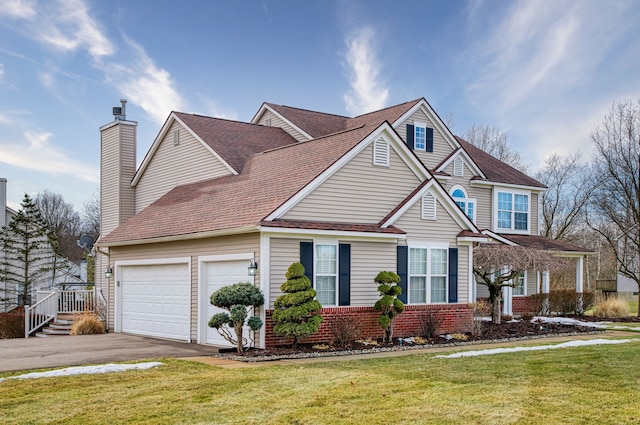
[569,386]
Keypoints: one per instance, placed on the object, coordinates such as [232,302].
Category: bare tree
[616,198]
[91,216]
[496,143]
[570,183]
[496,266]
[63,221]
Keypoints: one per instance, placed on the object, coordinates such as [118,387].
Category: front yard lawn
[598,384]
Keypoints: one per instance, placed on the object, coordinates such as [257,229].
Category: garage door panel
[156,300]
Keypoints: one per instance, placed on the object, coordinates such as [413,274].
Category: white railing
[45,310]
[101,307]
[76,301]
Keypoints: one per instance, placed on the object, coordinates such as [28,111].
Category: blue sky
[545,72]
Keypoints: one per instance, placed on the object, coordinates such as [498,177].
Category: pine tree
[27,254]
[296,311]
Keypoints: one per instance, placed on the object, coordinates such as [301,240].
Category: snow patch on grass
[85,370]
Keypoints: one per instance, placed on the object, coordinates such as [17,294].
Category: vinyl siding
[532,282]
[188,162]
[238,244]
[276,121]
[534,213]
[482,195]
[367,260]
[358,192]
[441,148]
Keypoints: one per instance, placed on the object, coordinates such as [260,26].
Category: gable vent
[176,137]
[381,152]
[458,167]
[428,206]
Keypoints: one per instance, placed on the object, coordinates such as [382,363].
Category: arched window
[467,205]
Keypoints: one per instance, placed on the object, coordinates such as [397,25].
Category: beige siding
[282,252]
[534,214]
[239,244]
[481,194]
[463,277]
[276,121]
[441,148]
[188,162]
[359,192]
[532,282]
[443,229]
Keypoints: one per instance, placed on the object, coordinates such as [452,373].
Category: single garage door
[219,274]
[156,300]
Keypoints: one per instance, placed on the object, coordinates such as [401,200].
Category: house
[346,196]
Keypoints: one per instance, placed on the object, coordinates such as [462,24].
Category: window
[420,137]
[326,269]
[467,205]
[520,281]
[381,152]
[427,275]
[428,206]
[513,211]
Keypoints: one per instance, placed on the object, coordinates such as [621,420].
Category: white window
[427,275]
[458,167]
[467,205]
[520,282]
[513,211]
[381,152]
[420,136]
[428,206]
[326,273]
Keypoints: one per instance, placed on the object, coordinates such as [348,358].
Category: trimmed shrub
[11,325]
[561,302]
[430,324]
[296,311]
[87,324]
[389,303]
[611,307]
[344,329]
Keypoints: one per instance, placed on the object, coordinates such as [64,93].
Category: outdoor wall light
[108,273]
[253,268]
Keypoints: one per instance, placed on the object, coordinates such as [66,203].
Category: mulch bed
[491,333]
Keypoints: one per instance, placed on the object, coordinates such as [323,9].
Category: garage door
[156,300]
[219,274]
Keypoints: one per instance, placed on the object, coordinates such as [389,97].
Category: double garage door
[156,299]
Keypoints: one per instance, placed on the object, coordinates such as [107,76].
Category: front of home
[347,197]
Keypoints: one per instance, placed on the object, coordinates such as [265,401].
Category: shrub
[611,307]
[344,329]
[480,310]
[389,303]
[296,311]
[430,324]
[87,324]
[561,302]
[236,299]
[11,325]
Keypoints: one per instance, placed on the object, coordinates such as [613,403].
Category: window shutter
[306,259]
[458,167]
[429,139]
[410,136]
[453,275]
[344,274]
[428,206]
[381,152]
[402,259]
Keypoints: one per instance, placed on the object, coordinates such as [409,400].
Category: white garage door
[156,300]
[219,274]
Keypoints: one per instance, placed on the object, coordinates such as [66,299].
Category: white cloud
[367,93]
[211,108]
[38,154]
[5,119]
[23,9]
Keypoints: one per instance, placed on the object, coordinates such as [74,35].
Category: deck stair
[62,326]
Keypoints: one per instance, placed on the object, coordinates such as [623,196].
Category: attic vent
[381,152]
[458,167]
[176,137]
[428,206]
[267,122]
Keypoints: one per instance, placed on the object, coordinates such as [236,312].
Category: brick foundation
[456,318]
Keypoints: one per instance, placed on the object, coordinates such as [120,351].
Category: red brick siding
[456,318]
[523,305]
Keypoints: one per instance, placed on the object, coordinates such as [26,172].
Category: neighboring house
[347,197]
[68,272]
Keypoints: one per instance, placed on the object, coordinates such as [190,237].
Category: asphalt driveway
[36,353]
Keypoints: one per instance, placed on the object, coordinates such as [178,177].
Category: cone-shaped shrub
[296,311]
[389,304]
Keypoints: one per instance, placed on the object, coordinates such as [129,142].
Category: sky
[545,72]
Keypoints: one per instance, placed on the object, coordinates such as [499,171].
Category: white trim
[266,107]
[264,268]
[532,189]
[460,152]
[524,284]
[433,117]
[381,152]
[113,123]
[499,238]
[416,125]
[327,242]
[294,233]
[465,199]
[471,284]
[415,165]
[495,219]
[428,206]
[188,236]
[429,246]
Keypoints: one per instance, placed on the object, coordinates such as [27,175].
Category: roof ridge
[388,107]
[308,110]
[312,140]
[221,119]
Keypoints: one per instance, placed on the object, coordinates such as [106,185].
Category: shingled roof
[540,242]
[316,124]
[268,180]
[235,141]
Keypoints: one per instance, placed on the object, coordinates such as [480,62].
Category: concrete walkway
[41,353]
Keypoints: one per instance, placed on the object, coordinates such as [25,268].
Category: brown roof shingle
[342,227]
[316,124]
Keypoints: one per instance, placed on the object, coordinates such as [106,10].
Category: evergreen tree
[389,304]
[296,311]
[28,256]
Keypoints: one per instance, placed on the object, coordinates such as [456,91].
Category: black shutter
[429,139]
[306,259]
[344,274]
[453,275]
[410,136]
[402,259]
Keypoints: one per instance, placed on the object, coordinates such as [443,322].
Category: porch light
[108,273]
[253,268]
